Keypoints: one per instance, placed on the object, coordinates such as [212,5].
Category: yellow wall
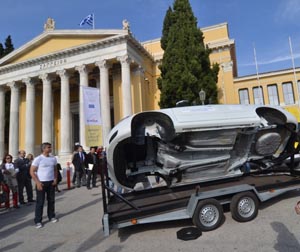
[215,33]
[55,44]
[117,94]
[263,81]
[22,118]
[153,46]
[38,118]
[137,96]
[56,118]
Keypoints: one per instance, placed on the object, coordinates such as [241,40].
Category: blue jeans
[48,189]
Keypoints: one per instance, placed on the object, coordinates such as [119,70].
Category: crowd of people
[87,166]
[17,175]
[14,177]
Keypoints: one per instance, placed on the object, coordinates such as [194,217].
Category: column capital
[63,73]
[125,59]
[103,64]
[227,66]
[13,85]
[29,82]
[139,70]
[45,77]
[82,69]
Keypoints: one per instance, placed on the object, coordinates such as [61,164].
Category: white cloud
[272,61]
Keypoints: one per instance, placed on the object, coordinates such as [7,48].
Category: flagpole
[294,70]
[93,21]
[257,76]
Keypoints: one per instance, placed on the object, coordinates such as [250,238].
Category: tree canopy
[9,47]
[185,67]
[3,52]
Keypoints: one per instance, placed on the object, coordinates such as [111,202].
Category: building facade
[43,80]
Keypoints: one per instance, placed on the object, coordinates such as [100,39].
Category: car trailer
[201,202]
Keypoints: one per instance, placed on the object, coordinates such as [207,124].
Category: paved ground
[277,228]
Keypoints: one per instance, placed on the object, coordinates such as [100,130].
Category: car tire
[244,206]
[208,215]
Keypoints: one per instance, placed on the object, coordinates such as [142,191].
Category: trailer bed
[163,199]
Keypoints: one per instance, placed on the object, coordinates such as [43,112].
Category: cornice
[151,41]
[213,27]
[140,47]
[266,74]
[64,53]
[58,33]
[220,44]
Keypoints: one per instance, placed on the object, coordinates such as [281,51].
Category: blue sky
[267,24]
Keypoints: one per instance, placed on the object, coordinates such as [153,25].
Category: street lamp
[202,95]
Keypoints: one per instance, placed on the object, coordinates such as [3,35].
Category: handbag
[59,177]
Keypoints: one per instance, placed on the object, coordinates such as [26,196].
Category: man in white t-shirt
[44,173]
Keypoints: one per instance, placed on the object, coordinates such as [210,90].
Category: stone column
[83,82]
[47,116]
[141,103]
[104,98]
[126,85]
[30,116]
[98,82]
[65,114]
[2,121]
[13,143]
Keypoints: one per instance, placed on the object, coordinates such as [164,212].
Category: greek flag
[88,20]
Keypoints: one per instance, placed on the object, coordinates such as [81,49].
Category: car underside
[184,145]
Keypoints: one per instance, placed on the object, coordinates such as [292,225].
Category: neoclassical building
[44,80]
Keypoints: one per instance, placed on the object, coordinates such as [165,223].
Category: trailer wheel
[208,215]
[244,206]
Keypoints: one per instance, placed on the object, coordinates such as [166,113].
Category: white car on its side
[199,143]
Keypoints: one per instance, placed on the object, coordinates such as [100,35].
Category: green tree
[166,27]
[1,51]
[185,67]
[9,47]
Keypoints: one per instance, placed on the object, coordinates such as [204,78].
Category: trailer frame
[162,204]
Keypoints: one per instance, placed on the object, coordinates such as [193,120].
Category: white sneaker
[54,220]
[38,225]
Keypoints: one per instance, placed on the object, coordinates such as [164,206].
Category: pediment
[56,41]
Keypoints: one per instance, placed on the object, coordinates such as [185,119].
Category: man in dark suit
[79,164]
[92,165]
[23,177]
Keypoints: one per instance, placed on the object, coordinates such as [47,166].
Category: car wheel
[208,215]
[244,206]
